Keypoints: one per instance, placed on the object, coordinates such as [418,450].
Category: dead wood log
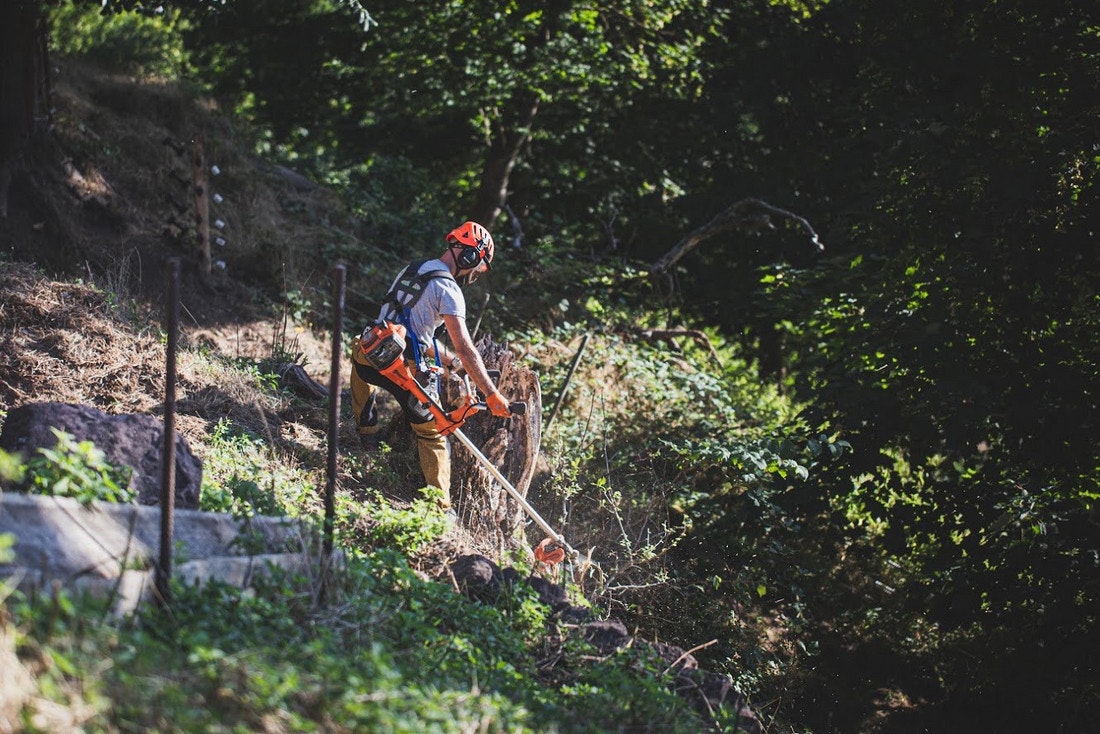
[511,444]
[87,188]
[294,377]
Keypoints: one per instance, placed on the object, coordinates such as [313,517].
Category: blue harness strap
[407,291]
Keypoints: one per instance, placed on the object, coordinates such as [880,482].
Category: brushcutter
[384,348]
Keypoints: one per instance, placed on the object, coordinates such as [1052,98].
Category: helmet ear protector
[475,245]
[469,257]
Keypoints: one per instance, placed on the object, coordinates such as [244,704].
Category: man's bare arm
[471,360]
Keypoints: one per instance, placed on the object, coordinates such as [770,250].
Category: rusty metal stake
[339,278]
[168,456]
[565,385]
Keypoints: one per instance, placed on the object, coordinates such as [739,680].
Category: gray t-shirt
[441,297]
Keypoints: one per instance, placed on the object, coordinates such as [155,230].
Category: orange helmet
[476,242]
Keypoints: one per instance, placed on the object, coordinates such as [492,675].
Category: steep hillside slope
[110,204]
[94,228]
[110,199]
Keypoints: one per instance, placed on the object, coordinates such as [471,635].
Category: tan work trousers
[431,446]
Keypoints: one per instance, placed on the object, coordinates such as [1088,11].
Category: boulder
[481,579]
[551,594]
[607,636]
[133,440]
[477,577]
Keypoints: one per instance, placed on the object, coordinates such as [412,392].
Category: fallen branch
[87,188]
[746,215]
[565,384]
[669,335]
[686,654]
[294,377]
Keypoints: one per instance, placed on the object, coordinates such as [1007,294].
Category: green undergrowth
[72,468]
[244,476]
[382,649]
[387,651]
[685,472]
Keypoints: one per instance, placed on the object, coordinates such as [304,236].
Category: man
[423,297]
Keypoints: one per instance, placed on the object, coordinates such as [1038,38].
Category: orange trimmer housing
[383,347]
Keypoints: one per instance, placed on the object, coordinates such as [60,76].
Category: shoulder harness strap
[410,286]
[406,292]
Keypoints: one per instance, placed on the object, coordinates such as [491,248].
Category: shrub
[77,469]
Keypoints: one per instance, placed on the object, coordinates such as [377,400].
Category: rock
[606,636]
[474,572]
[133,440]
[477,577]
[550,594]
[574,615]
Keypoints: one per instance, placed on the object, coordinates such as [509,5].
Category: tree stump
[511,444]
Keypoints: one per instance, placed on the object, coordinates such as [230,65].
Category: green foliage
[79,470]
[477,80]
[992,561]
[12,469]
[144,43]
[684,474]
[410,529]
[947,154]
[262,373]
[242,477]
[7,541]
[392,652]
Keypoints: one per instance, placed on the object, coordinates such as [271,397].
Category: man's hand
[497,405]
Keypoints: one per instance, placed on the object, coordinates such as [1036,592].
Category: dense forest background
[919,521]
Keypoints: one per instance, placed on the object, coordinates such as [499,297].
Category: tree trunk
[21,75]
[504,150]
[512,445]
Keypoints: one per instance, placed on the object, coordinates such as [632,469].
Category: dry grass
[66,342]
[62,341]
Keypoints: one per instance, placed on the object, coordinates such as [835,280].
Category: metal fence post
[339,278]
[168,455]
